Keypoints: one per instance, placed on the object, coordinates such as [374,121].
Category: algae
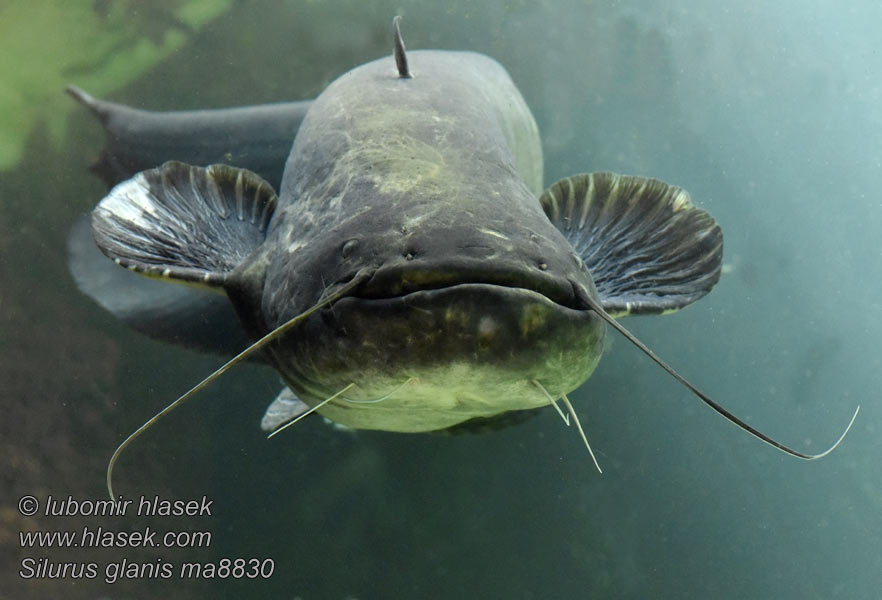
[100,45]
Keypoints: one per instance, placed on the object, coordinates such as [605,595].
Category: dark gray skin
[430,184]
[257,138]
[407,277]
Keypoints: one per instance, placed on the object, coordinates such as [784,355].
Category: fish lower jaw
[436,358]
[437,400]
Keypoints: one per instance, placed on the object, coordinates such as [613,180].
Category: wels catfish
[411,274]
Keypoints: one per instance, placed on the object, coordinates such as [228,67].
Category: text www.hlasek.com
[94,536]
[101,538]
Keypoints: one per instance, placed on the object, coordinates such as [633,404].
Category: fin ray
[187,223]
[647,247]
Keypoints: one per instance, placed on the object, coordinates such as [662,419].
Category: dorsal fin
[400,55]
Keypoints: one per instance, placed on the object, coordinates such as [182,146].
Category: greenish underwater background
[769,113]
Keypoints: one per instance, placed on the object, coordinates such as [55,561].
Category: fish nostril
[349,247]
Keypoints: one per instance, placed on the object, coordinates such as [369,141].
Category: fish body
[469,290]
[431,183]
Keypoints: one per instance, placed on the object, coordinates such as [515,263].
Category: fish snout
[439,258]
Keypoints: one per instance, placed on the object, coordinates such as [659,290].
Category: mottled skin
[407,277]
[431,185]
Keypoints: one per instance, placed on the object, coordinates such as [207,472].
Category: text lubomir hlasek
[145,506]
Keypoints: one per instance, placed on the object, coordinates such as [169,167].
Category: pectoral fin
[184,223]
[647,247]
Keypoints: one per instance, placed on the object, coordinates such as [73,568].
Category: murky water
[769,115]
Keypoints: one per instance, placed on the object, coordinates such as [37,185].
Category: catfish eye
[349,247]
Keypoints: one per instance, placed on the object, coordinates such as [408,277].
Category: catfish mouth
[401,280]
